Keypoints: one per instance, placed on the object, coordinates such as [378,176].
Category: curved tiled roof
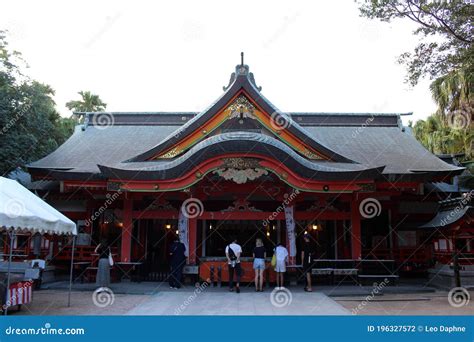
[242,143]
[355,142]
[242,80]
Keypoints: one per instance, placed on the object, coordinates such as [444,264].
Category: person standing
[177,262]
[232,252]
[259,255]
[307,261]
[103,270]
[281,254]
[37,238]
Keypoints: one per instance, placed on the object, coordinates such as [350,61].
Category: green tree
[441,138]
[445,28]
[445,54]
[89,103]
[30,126]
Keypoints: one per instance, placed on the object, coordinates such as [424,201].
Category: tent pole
[72,268]
[10,252]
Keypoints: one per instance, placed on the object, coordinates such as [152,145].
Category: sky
[138,55]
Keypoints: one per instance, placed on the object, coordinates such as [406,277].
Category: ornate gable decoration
[240,170]
[241,108]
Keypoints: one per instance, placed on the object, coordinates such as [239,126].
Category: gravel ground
[405,304]
[54,302]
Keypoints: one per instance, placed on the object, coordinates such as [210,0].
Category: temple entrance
[217,234]
[152,241]
[324,238]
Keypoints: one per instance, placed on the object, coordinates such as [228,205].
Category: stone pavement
[211,302]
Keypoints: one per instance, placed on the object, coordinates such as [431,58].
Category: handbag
[111,259]
[274,260]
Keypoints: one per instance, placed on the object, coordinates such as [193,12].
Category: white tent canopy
[22,210]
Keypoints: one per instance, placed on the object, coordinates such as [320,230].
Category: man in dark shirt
[306,258]
[177,262]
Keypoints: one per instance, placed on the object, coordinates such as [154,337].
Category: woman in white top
[281,254]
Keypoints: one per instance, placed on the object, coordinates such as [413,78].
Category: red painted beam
[155,214]
[243,215]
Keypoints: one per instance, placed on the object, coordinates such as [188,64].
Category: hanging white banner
[290,230]
[183,224]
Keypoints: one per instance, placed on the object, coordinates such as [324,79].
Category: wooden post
[127,229]
[192,240]
[90,205]
[355,230]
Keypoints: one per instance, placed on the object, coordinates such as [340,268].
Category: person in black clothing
[306,258]
[177,262]
[232,253]
[259,255]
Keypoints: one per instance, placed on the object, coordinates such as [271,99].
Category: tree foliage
[89,103]
[445,54]
[441,138]
[30,126]
[445,29]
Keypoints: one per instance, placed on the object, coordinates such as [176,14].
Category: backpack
[231,253]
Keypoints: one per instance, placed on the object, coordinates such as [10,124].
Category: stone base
[442,276]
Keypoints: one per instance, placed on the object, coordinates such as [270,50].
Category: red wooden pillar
[192,234]
[125,252]
[355,230]
[89,213]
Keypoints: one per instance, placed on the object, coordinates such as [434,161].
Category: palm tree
[441,138]
[452,91]
[89,103]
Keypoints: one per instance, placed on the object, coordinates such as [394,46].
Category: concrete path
[204,301]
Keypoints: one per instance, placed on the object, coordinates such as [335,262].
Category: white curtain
[290,230]
[183,225]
